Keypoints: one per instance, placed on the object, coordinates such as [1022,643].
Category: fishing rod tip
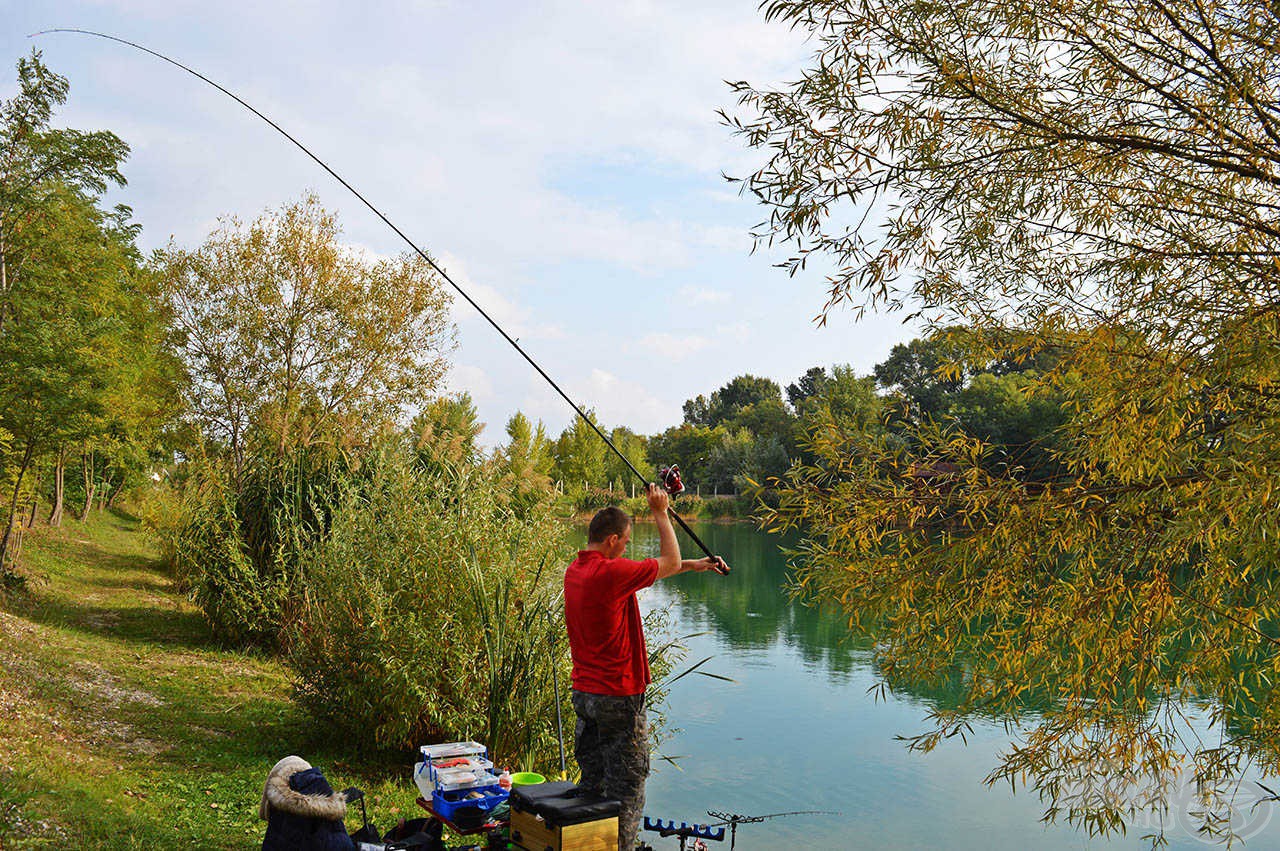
[60,30]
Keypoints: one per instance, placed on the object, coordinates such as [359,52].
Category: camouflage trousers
[611,743]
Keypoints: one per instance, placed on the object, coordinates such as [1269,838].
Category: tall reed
[423,614]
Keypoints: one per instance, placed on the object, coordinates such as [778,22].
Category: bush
[199,536]
[431,612]
[235,548]
[593,499]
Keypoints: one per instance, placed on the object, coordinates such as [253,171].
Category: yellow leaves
[290,336]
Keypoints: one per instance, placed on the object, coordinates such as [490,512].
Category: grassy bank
[126,726]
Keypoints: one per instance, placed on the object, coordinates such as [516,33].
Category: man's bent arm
[668,545]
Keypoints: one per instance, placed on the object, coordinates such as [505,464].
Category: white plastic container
[452,779]
[465,766]
[422,779]
[467,763]
[446,750]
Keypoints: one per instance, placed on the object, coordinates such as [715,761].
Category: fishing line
[515,345]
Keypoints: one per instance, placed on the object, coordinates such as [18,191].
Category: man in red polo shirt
[610,662]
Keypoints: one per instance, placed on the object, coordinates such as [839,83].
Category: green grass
[125,725]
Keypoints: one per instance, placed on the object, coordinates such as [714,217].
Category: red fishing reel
[670,478]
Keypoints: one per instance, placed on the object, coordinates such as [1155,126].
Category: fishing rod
[720,568]
[734,819]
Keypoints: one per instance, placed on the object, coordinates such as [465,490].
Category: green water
[797,730]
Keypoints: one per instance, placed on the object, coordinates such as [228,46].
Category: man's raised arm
[668,545]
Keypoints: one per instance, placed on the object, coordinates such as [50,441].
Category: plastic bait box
[430,781]
[457,774]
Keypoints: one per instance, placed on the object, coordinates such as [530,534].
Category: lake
[798,730]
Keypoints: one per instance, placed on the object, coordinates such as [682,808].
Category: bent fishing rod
[721,567]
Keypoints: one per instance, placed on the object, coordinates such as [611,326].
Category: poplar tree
[526,459]
[579,456]
[1095,185]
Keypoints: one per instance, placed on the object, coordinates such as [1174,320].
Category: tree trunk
[59,470]
[13,504]
[87,458]
[35,497]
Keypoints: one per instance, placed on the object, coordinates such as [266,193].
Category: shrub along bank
[413,598]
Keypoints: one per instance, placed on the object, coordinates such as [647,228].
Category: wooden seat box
[561,817]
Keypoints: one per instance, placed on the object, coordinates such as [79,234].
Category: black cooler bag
[559,816]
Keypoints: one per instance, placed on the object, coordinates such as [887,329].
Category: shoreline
[585,517]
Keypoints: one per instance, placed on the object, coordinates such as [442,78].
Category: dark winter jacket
[302,811]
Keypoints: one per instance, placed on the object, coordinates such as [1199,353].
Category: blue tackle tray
[445,803]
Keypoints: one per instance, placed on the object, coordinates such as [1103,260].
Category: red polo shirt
[606,638]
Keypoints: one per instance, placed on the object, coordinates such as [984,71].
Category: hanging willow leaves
[1093,186]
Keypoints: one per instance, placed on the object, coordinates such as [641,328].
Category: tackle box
[453,775]
[559,816]
[450,779]
[446,750]
[450,766]
[445,804]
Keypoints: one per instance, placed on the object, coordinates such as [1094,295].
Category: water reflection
[751,609]
[800,692]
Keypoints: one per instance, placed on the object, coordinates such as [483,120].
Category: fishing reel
[671,482]
[670,478]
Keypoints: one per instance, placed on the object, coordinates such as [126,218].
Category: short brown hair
[608,521]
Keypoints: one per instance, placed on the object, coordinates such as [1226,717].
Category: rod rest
[670,829]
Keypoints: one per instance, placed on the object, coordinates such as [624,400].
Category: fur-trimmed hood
[278,794]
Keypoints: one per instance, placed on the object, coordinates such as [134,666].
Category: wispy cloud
[469,379]
[697,296]
[515,319]
[738,332]
[673,347]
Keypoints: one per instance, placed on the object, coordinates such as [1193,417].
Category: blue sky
[562,159]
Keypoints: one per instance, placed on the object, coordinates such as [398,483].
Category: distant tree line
[742,439]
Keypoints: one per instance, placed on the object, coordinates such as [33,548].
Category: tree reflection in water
[1142,759]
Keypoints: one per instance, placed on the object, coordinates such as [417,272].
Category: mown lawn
[124,725]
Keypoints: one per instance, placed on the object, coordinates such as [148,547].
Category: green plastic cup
[527,778]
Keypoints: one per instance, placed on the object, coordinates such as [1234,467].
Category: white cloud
[469,379]
[616,401]
[621,402]
[671,347]
[512,317]
[366,254]
[738,332]
[736,240]
[696,296]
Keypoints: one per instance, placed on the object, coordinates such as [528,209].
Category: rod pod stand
[684,831]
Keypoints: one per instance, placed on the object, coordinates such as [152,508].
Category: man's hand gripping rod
[674,485]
